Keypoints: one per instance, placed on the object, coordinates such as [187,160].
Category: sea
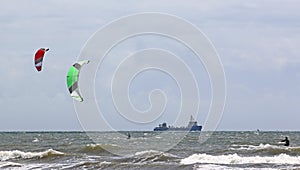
[149,150]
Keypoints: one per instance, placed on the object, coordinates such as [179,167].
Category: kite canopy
[38,58]
[72,79]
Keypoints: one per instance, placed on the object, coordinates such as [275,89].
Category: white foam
[6,155]
[35,140]
[9,164]
[151,155]
[253,147]
[236,159]
[147,152]
[261,147]
[223,167]
[93,145]
[101,145]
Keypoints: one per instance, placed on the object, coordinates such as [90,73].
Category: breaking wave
[16,154]
[99,148]
[88,165]
[149,156]
[236,159]
[274,149]
[6,164]
[224,167]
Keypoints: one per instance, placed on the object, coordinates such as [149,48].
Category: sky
[257,42]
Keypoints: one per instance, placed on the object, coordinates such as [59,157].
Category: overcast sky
[257,41]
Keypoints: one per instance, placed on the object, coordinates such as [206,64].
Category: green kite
[72,79]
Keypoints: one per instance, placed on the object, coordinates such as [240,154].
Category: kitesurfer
[128,136]
[286,141]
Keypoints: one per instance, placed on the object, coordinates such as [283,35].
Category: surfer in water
[128,136]
[286,141]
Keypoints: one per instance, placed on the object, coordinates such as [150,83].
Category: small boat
[192,126]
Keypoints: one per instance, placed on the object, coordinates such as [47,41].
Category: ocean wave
[152,156]
[236,159]
[275,149]
[87,165]
[16,154]
[6,164]
[224,167]
[35,140]
[99,148]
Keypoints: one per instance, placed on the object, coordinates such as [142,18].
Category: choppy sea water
[76,150]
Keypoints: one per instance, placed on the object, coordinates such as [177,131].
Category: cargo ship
[192,126]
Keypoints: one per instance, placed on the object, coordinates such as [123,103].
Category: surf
[17,154]
[267,148]
[232,159]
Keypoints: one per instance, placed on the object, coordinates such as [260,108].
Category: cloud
[257,42]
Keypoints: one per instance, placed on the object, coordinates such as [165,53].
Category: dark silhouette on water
[287,142]
[128,136]
[192,126]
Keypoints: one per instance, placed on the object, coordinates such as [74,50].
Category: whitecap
[236,159]
[263,147]
[6,164]
[15,154]
[36,140]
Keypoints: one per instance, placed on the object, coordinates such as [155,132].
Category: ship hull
[193,128]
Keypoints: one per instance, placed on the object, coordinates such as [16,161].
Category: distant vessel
[192,126]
